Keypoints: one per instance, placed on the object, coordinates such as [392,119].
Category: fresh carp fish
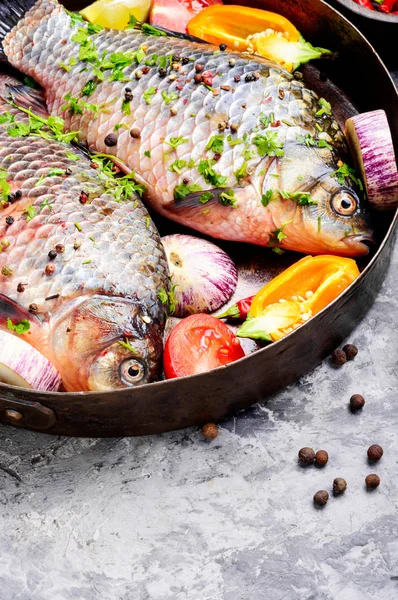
[230,145]
[80,272]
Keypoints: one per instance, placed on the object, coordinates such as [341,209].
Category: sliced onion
[24,366]
[369,138]
[204,275]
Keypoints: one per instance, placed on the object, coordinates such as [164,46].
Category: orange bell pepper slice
[297,294]
[231,25]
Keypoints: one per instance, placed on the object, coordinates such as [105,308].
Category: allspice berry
[339,486]
[375,452]
[372,481]
[210,431]
[110,140]
[321,498]
[306,456]
[350,351]
[356,402]
[339,358]
[321,457]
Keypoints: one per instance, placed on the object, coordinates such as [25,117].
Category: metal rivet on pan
[13,416]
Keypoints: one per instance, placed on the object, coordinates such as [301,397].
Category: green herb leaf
[241,173]
[169,97]
[326,108]
[132,22]
[150,30]
[72,156]
[268,144]
[205,197]
[177,166]
[19,328]
[302,198]
[128,346]
[228,198]
[233,142]
[348,172]
[205,168]
[30,213]
[267,197]
[175,142]
[216,144]
[149,94]
[90,87]
[181,191]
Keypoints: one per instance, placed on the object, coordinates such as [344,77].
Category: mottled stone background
[176,517]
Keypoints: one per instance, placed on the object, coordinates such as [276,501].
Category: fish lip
[362,241]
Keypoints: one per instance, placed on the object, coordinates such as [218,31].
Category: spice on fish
[205,168]
[175,142]
[216,144]
[241,173]
[127,346]
[87,261]
[206,197]
[344,171]
[78,226]
[233,142]
[228,198]
[177,166]
[276,237]
[147,222]
[302,198]
[53,297]
[7,271]
[147,154]
[71,156]
[319,224]
[30,213]
[325,109]
[9,220]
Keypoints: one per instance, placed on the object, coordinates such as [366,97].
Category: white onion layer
[204,275]
[24,366]
[371,145]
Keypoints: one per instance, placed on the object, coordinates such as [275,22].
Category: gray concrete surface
[176,517]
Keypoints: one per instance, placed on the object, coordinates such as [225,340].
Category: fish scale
[117,254]
[42,40]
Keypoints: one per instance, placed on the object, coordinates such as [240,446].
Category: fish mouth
[360,242]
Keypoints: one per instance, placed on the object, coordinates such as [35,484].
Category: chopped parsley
[75,18]
[19,328]
[325,109]
[308,140]
[126,107]
[324,144]
[268,144]
[206,197]
[319,224]
[216,144]
[233,142]
[46,203]
[265,120]
[205,168]
[126,344]
[147,154]
[149,94]
[90,87]
[132,22]
[72,156]
[181,191]
[175,142]
[241,173]
[302,198]
[36,127]
[343,172]
[169,97]
[30,213]
[276,237]
[177,166]
[150,30]
[52,173]
[267,197]
[168,299]
[76,106]
[227,198]
[5,188]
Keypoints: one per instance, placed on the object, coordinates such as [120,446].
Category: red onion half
[371,145]
[24,366]
[204,275]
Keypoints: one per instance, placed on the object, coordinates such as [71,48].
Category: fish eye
[132,371]
[344,203]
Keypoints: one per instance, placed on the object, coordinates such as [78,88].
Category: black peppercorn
[217,156]
[21,288]
[68,171]
[175,58]
[15,196]
[356,402]
[249,77]
[128,96]
[185,60]
[306,456]
[110,140]
[350,351]
[339,486]
[321,458]
[375,452]
[33,308]
[321,498]
[339,358]
[162,72]
[52,254]
[185,181]
[223,47]
[372,481]
[9,220]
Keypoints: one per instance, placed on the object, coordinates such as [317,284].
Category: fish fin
[175,34]
[9,309]
[28,97]
[11,12]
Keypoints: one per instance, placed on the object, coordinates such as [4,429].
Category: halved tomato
[198,344]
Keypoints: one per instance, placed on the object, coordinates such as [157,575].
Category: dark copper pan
[169,405]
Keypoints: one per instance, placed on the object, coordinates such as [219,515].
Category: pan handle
[26,414]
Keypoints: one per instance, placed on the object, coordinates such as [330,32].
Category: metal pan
[168,405]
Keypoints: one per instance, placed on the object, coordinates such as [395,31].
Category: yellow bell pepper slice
[297,294]
[232,25]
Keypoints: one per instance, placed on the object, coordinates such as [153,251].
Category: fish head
[320,210]
[104,343]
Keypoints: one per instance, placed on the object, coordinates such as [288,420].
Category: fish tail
[11,12]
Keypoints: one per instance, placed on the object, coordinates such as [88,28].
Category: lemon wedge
[115,14]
